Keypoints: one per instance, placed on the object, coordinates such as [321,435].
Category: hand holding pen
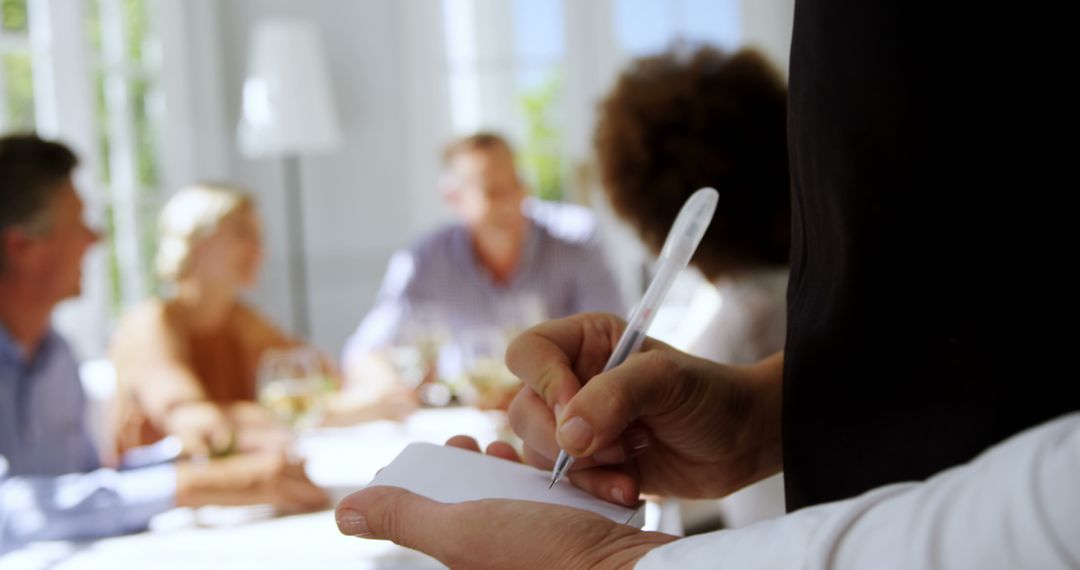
[682,241]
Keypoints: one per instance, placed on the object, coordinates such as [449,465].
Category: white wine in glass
[293,385]
[489,383]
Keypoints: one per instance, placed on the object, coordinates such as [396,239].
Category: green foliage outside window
[541,153]
[136,73]
[13,14]
[16,70]
[19,92]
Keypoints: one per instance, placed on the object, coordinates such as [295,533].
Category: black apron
[928,313]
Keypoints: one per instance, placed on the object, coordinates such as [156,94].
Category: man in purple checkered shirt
[511,261]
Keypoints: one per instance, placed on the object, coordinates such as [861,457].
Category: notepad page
[452,475]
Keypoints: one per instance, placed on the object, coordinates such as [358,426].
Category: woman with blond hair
[186,364]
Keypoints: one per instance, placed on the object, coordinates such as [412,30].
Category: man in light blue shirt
[53,487]
[510,262]
[51,483]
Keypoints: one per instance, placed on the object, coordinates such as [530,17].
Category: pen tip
[552,484]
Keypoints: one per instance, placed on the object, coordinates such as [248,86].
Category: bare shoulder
[149,328]
[152,318]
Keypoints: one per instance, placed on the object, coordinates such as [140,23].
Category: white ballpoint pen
[679,247]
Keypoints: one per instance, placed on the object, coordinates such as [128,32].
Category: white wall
[767,24]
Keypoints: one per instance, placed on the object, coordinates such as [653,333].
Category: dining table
[339,459]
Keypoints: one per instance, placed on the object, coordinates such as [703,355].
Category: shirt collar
[528,252]
[11,351]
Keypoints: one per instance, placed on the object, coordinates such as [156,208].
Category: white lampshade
[288,103]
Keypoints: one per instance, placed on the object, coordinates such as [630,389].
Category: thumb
[647,383]
[394,514]
[194,445]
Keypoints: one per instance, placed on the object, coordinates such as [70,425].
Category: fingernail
[575,434]
[617,494]
[558,411]
[637,440]
[352,523]
[611,454]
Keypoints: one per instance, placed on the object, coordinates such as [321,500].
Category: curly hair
[694,117]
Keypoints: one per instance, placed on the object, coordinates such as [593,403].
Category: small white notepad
[453,475]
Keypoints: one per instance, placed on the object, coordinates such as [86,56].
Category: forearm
[162,391]
[175,404]
[1012,507]
[378,331]
[376,392]
[370,373]
[96,504]
[153,361]
[350,407]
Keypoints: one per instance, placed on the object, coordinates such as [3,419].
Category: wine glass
[489,384]
[293,383]
[420,347]
[518,311]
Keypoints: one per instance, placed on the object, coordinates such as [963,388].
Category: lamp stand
[294,219]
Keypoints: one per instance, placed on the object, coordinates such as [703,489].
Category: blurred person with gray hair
[52,485]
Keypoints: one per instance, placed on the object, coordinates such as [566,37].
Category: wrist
[764,381]
[205,428]
[172,410]
[186,484]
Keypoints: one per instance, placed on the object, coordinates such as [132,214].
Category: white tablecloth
[340,459]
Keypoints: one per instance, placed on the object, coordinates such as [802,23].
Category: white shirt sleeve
[82,505]
[1017,505]
[381,326]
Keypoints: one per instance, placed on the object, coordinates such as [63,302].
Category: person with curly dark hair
[693,117]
